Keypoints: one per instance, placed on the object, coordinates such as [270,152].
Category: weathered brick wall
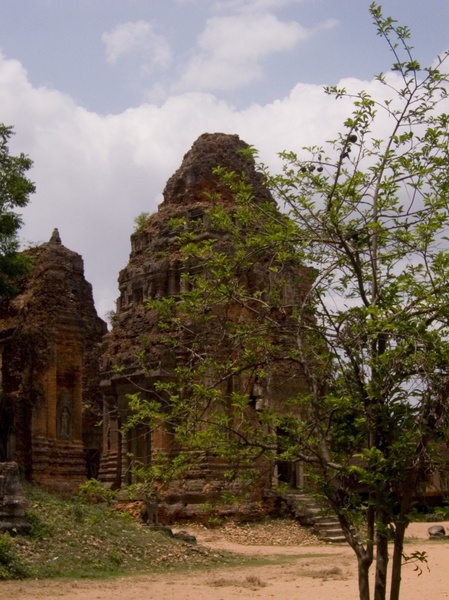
[51,336]
[154,270]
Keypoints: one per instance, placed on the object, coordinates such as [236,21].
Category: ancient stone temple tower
[50,401]
[154,271]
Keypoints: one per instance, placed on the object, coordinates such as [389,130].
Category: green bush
[39,527]
[426,514]
[442,513]
[94,492]
[116,557]
[140,221]
[11,566]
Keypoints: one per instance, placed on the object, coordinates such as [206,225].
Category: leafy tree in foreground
[369,214]
[15,191]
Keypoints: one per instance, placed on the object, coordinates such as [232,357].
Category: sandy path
[329,575]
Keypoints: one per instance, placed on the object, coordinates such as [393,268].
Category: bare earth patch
[306,570]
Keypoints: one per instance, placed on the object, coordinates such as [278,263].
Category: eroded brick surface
[155,270]
[50,402]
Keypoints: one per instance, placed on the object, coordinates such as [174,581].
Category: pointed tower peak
[55,237]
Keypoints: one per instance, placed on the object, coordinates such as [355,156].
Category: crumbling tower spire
[155,270]
[55,237]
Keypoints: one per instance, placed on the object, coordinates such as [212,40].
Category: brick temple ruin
[155,270]
[51,343]
[57,375]
[50,399]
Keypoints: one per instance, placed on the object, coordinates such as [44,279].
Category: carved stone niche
[64,412]
[12,501]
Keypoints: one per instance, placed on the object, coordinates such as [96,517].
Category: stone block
[12,500]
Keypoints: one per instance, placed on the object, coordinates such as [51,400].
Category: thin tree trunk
[363,571]
[397,561]
[380,584]
[364,553]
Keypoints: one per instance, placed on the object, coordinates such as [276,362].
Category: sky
[106,96]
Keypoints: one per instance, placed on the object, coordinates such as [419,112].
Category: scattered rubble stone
[436,531]
[185,537]
[275,532]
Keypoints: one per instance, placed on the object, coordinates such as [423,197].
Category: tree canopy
[367,215]
[15,191]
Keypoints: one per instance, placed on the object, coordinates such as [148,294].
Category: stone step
[337,539]
[331,531]
[334,536]
[328,524]
[316,514]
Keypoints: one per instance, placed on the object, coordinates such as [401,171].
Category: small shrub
[94,492]
[214,521]
[442,513]
[78,512]
[11,566]
[417,516]
[39,528]
[112,317]
[140,221]
[116,558]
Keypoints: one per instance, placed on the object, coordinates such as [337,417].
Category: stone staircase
[316,514]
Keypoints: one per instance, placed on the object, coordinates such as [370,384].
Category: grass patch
[75,539]
[11,565]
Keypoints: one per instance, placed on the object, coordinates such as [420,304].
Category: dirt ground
[310,572]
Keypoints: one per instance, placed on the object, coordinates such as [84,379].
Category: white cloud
[137,37]
[95,173]
[243,5]
[252,38]
[254,5]
[232,48]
